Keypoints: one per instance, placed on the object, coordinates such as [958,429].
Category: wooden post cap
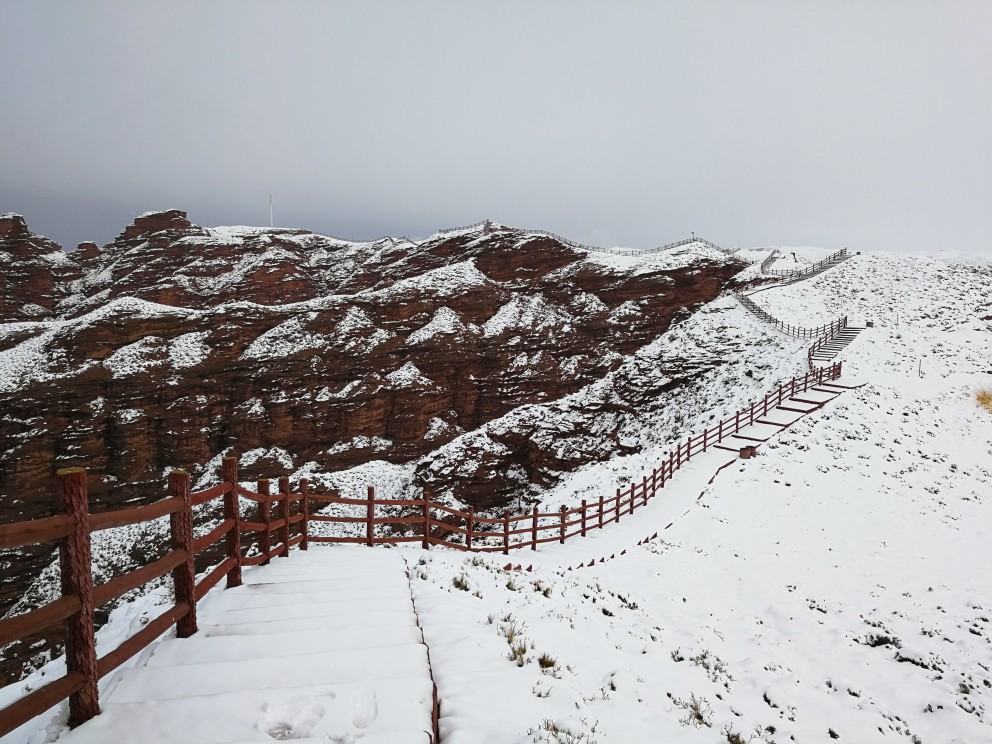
[69,471]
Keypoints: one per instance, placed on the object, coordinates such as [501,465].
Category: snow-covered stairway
[791,276]
[836,345]
[321,646]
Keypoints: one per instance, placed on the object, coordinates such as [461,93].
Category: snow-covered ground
[837,586]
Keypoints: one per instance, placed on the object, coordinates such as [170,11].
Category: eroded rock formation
[174,343]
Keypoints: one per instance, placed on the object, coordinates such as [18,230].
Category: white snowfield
[838,586]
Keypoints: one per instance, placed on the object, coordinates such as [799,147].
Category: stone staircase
[836,345]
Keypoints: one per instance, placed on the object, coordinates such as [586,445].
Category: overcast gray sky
[865,123]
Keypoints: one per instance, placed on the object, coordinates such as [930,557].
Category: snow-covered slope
[836,586]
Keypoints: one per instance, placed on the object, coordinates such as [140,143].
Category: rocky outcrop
[418,344]
[34,272]
[174,343]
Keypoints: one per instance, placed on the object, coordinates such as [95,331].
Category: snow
[156,212]
[527,313]
[446,281]
[408,376]
[277,454]
[265,667]
[288,338]
[444,322]
[43,356]
[188,349]
[836,585]
[136,357]
[357,332]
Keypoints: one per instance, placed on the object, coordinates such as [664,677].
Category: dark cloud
[859,124]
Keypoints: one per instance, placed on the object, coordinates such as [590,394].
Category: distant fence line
[598,249]
[767,263]
[822,334]
[802,273]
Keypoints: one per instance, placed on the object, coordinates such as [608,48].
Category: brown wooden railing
[431,523]
[821,335]
[274,524]
[790,274]
[72,528]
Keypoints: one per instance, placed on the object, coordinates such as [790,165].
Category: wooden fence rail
[790,274]
[273,528]
[485,224]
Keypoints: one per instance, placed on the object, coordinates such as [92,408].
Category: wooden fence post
[618,506]
[232,510]
[305,506]
[602,507]
[561,527]
[77,580]
[181,537]
[282,512]
[469,527]
[644,486]
[425,542]
[533,531]
[583,517]
[370,518]
[506,532]
[264,512]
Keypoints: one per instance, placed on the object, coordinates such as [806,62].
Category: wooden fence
[597,249]
[72,527]
[769,260]
[790,274]
[281,521]
[828,330]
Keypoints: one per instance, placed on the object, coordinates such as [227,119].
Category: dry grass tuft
[984,398]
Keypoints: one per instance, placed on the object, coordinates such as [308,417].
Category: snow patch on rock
[444,322]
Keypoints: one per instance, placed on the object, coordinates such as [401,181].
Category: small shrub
[546,661]
[541,588]
[461,582]
[549,665]
[733,737]
[878,639]
[549,731]
[697,711]
[984,398]
[518,653]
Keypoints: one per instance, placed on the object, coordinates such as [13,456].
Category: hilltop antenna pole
[271,224]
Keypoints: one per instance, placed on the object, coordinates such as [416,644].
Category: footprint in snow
[294,717]
[365,708]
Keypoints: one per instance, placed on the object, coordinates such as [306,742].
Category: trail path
[321,647]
